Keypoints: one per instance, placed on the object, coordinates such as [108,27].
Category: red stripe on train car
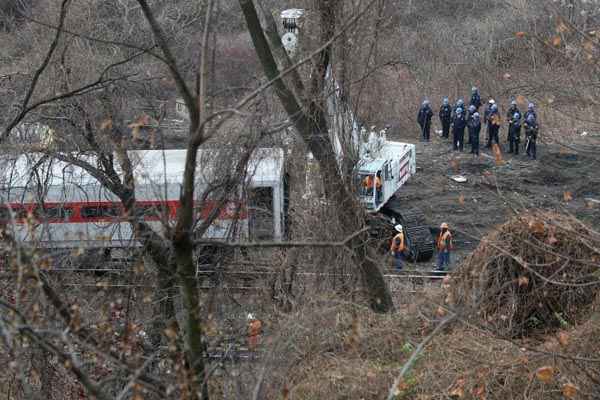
[82,212]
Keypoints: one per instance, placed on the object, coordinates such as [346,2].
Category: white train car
[55,204]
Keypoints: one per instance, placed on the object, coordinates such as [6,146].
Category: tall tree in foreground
[306,108]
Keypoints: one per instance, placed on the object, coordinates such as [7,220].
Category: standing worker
[398,247]
[472,110]
[510,116]
[493,125]
[444,246]
[254,331]
[459,104]
[475,98]
[531,133]
[474,125]
[514,133]
[530,111]
[445,117]
[486,118]
[458,130]
[424,119]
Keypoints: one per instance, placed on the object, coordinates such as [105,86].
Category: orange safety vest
[398,243]
[254,330]
[444,241]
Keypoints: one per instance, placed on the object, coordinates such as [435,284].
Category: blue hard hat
[530,106]
[476,116]
[472,108]
[460,102]
[459,110]
[445,101]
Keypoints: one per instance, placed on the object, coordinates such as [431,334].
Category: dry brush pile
[536,273]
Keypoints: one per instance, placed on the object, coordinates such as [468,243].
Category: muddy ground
[560,179]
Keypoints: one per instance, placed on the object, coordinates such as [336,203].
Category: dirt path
[495,191]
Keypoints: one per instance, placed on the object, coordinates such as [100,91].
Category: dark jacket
[511,113]
[474,126]
[527,113]
[424,116]
[459,122]
[475,100]
[445,113]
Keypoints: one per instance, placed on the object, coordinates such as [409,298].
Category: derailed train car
[56,204]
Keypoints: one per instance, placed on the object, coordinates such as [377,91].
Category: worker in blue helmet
[470,111]
[475,98]
[474,125]
[445,115]
[458,129]
[424,119]
[514,133]
[531,134]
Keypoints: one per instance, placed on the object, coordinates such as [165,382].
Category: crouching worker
[444,246]
[398,247]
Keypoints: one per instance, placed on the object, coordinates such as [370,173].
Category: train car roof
[266,167]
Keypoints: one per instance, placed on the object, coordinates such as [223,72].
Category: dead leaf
[461,200]
[523,281]
[520,35]
[569,390]
[106,124]
[567,196]
[440,312]
[536,227]
[561,26]
[556,41]
[545,374]
[521,99]
[458,389]
[455,165]
[479,392]
[563,338]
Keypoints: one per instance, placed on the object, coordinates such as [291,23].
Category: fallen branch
[413,358]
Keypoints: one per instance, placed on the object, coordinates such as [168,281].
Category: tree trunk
[311,124]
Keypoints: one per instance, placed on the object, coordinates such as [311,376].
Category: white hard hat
[250,316]
[398,228]
[492,101]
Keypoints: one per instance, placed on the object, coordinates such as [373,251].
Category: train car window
[152,210]
[99,211]
[4,214]
[19,212]
[54,212]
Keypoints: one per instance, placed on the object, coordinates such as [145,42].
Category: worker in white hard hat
[444,247]
[398,248]
[486,117]
[254,331]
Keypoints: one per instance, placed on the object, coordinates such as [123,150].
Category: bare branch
[415,354]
